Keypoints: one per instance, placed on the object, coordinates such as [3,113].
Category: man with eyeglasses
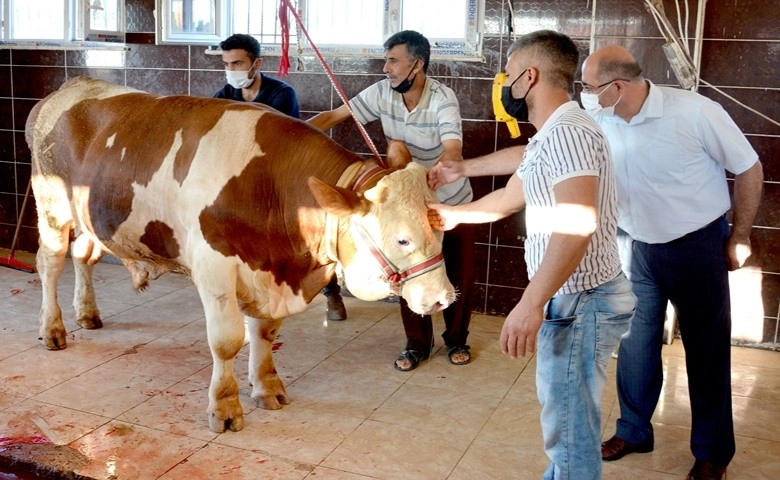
[671,148]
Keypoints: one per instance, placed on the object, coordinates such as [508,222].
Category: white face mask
[590,102]
[239,79]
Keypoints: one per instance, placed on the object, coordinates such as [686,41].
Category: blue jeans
[691,273]
[576,341]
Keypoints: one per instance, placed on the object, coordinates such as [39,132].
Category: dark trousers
[458,250]
[692,273]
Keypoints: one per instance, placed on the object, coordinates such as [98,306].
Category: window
[338,27]
[192,21]
[60,23]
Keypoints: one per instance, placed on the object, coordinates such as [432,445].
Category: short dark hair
[416,44]
[619,68]
[559,54]
[244,42]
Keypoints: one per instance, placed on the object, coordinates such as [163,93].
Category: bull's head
[386,243]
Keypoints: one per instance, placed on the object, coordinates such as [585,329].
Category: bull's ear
[337,200]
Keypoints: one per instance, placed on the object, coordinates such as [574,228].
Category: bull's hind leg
[85,253]
[50,261]
[267,388]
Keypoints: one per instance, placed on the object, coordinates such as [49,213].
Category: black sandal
[452,351]
[414,357]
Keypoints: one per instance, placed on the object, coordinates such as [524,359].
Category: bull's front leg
[267,388]
[225,329]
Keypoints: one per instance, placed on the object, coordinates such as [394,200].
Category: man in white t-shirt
[424,115]
[578,302]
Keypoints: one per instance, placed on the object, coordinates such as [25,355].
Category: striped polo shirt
[570,144]
[435,119]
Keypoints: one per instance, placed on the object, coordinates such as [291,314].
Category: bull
[256,207]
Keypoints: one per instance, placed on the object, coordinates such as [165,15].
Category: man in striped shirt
[578,302]
[424,115]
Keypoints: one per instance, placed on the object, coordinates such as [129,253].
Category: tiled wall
[741,50]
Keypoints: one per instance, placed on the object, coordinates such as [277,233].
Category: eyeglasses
[590,89]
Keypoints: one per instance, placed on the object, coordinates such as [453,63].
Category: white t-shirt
[570,144]
[435,119]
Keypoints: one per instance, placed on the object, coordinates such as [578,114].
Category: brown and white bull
[257,207]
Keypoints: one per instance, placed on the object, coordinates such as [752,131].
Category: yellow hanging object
[498,107]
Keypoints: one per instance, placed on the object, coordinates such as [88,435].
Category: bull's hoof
[231,418]
[91,322]
[272,402]
[53,342]
[54,337]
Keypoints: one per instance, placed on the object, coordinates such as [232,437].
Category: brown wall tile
[5,80]
[199,60]
[768,149]
[761,99]
[6,146]
[206,83]
[159,82]
[7,174]
[753,19]
[314,91]
[158,56]
[6,114]
[36,82]
[5,57]
[769,211]
[22,110]
[49,58]
[744,64]
[765,244]
[23,155]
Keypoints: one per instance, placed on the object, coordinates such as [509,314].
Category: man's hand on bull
[441,216]
[444,172]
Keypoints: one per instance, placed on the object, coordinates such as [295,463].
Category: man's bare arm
[502,162]
[327,120]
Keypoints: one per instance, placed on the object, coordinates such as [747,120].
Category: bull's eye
[403,242]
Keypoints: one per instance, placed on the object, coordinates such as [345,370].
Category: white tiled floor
[130,398]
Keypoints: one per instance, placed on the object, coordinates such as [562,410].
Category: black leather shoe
[616,448]
[706,471]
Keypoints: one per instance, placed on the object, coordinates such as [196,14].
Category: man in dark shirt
[241,56]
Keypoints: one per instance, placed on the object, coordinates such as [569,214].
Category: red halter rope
[393,275]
